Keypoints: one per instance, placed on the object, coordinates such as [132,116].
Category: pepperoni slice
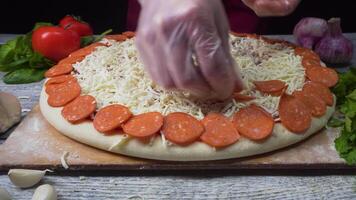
[271,40]
[219,131]
[242,97]
[86,50]
[323,75]
[79,109]
[305,52]
[59,79]
[320,90]
[111,117]
[248,35]
[278,41]
[144,125]
[308,63]
[315,103]
[294,114]
[63,93]
[117,38]
[53,88]
[129,34]
[272,87]
[71,59]
[59,69]
[181,128]
[253,122]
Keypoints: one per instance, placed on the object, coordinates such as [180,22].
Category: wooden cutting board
[36,144]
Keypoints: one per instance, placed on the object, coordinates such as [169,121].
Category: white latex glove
[265,8]
[170,32]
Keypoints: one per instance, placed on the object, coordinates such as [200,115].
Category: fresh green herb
[345,92]
[345,86]
[25,75]
[335,122]
[86,40]
[18,56]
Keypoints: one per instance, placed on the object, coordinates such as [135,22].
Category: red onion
[334,47]
[309,31]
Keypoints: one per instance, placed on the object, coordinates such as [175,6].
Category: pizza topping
[63,93]
[115,75]
[323,75]
[247,35]
[320,90]
[309,62]
[242,97]
[272,87]
[253,122]
[71,60]
[314,102]
[79,109]
[53,88]
[219,131]
[129,34]
[117,38]
[144,125]
[305,52]
[59,69]
[86,50]
[181,128]
[111,117]
[294,114]
[277,41]
[59,79]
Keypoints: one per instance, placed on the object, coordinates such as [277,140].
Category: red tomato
[66,20]
[75,24]
[81,28]
[55,43]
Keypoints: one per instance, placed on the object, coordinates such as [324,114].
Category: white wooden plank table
[282,184]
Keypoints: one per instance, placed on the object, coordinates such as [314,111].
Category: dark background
[19,16]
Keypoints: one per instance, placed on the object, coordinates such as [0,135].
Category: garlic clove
[45,192]
[10,111]
[25,178]
[4,194]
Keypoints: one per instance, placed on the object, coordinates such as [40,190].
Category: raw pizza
[101,96]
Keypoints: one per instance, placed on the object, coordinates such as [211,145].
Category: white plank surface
[201,187]
[197,185]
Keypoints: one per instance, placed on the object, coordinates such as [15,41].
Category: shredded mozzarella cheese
[115,74]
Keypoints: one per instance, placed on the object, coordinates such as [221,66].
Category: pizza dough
[160,150]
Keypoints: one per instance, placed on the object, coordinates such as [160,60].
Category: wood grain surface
[205,187]
[265,184]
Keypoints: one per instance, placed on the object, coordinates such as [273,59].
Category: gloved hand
[264,8]
[170,32]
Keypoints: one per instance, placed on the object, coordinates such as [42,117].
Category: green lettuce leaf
[345,92]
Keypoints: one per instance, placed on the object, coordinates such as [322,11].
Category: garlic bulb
[334,47]
[4,194]
[45,192]
[10,111]
[25,178]
[309,31]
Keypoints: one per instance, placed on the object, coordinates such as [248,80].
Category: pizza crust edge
[198,151]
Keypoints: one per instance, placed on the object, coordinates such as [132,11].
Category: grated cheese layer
[115,74]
